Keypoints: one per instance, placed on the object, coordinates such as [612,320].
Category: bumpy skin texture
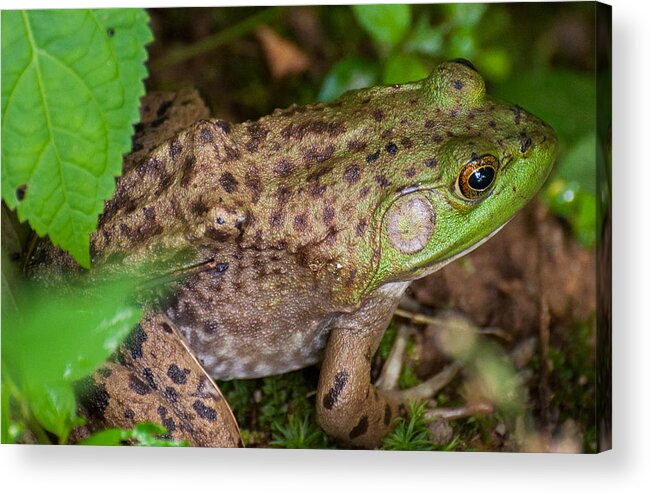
[291,239]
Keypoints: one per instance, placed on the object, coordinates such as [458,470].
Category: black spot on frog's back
[228,182]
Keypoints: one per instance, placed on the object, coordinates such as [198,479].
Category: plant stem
[34,426]
[224,36]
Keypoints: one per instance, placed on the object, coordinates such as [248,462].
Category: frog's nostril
[465,62]
[525,143]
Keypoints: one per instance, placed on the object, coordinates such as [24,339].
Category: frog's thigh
[155,378]
[349,407]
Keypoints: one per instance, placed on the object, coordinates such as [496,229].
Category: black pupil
[481,178]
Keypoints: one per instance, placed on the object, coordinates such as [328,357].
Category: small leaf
[402,68]
[71,83]
[386,24]
[347,74]
[146,434]
[142,434]
[54,406]
[108,437]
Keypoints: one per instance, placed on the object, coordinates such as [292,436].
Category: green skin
[290,240]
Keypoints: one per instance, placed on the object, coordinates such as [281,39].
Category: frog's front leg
[349,407]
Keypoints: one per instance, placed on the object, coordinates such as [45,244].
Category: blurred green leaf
[146,434]
[565,99]
[579,163]
[386,24]
[108,437]
[494,64]
[347,74]
[572,192]
[5,437]
[578,207]
[462,44]
[59,337]
[65,337]
[424,38]
[402,67]
[466,15]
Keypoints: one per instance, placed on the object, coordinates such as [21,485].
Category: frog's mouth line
[442,263]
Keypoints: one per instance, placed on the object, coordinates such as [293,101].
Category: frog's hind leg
[154,377]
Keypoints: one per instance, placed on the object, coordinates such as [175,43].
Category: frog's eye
[465,62]
[477,177]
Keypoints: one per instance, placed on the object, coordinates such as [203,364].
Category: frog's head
[492,160]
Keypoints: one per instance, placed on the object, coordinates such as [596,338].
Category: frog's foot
[353,410]
[154,377]
[349,407]
[388,380]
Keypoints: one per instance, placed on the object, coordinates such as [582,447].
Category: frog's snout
[536,151]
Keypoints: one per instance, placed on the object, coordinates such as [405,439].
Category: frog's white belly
[226,357]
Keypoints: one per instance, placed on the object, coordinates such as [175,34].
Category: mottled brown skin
[154,377]
[269,235]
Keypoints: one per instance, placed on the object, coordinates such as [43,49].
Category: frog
[289,241]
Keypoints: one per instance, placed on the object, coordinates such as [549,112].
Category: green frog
[289,241]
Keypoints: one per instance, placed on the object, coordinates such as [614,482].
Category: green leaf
[347,74]
[386,24]
[55,408]
[402,68]
[66,337]
[71,84]
[142,434]
[108,437]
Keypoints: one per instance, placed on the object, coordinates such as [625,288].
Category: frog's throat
[436,266]
[439,265]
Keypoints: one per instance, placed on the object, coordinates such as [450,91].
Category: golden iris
[477,177]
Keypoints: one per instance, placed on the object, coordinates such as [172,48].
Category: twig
[390,375]
[421,318]
[224,36]
[463,411]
